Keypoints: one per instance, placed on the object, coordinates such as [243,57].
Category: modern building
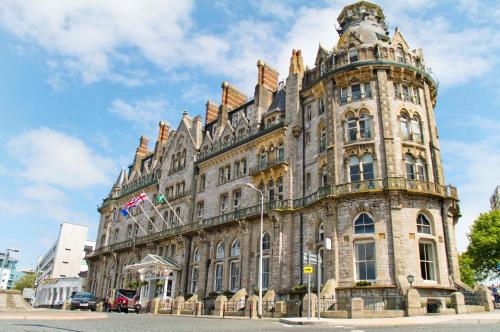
[346,150]
[9,275]
[495,199]
[60,270]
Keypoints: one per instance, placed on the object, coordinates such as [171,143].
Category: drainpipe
[188,262]
[303,193]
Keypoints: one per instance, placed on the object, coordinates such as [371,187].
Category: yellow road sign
[308,269]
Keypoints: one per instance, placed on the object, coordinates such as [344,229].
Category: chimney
[268,77]
[231,98]
[162,138]
[212,109]
[140,152]
[296,63]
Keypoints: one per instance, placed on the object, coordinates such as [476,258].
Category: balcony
[268,164]
[178,195]
[326,192]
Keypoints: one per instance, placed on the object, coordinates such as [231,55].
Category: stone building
[347,150]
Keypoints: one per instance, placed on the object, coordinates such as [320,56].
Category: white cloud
[145,113]
[46,156]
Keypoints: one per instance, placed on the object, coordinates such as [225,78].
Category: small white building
[62,270]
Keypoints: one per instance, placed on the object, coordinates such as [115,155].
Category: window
[420,168]
[219,271]
[178,213]
[129,231]
[403,123]
[266,241]
[196,254]
[322,139]
[117,233]
[354,169]
[281,152]
[410,167]
[236,200]
[235,248]
[356,91]
[321,233]
[368,90]
[194,279]
[427,261]
[220,250]
[416,93]
[352,129]
[136,229]
[365,260]
[270,190]
[323,176]
[203,180]
[416,131]
[322,68]
[321,106]
[361,170]
[221,175]
[223,203]
[235,119]
[201,209]
[262,158]
[423,224]
[353,54]
[151,225]
[397,91]
[227,173]
[308,138]
[367,167]
[364,126]
[399,54]
[364,224]
[243,167]
[237,169]
[265,272]
[406,93]
[343,95]
[309,113]
[234,283]
[279,186]
[308,181]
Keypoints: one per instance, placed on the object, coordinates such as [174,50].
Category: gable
[398,39]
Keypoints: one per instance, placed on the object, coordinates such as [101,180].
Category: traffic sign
[308,269]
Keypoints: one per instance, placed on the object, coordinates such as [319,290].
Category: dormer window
[353,54]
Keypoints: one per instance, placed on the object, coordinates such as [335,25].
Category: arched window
[270,190]
[404,125]
[281,152]
[321,233]
[196,255]
[262,158]
[364,126]
[322,68]
[410,167]
[416,131]
[423,224]
[367,167]
[322,139]
[321,106]
[364,224]
[266,241]
[400,54]
[420,167]
[353,54]
[352,129]
[220,250]
[235,248]
[354,169]
[183,158]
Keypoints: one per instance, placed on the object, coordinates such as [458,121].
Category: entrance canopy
[154,266]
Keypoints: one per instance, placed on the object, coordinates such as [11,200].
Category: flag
[131,203]
[160,199]
[141,198]
[124,212]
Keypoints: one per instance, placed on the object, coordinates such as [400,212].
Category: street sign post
[308,269]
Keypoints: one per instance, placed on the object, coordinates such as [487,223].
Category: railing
[268,164]
[248,136]
[329,191]
[236,305]
[384,302]
[178,195]
[472,298]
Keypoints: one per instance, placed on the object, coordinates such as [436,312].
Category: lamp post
[410,279]
[6,262]
[259,313]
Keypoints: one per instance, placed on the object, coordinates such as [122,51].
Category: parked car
[83,301]
[122,300]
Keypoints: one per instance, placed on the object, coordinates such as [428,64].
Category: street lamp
[6,261]
[259,313]
[410,279]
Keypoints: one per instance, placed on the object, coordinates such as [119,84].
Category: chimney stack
[296,63]
[212,109]
[232,97]
[162,138]
[268,77]
[140,152]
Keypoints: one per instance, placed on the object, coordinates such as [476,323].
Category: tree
[467,274]
[484,245]
[26,281]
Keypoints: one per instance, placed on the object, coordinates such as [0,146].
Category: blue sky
[82,80]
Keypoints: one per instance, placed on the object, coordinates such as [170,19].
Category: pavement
[51,314]
[487,317]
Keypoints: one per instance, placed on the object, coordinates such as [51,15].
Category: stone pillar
[457,299]
[357,307]
[251,306]
[280,309]
[220,303]
[178,304]
[413,303]
[486,297]
[305,305]
[197,309]
[156,305]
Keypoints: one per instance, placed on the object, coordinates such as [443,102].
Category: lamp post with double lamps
[259,313]
[6,262]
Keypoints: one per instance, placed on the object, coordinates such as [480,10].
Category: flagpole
[131,216]
[170,206]
[147,216]
[154,207]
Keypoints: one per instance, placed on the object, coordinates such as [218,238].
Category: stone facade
[347,150]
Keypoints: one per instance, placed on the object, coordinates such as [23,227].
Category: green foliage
[484,246]
[133,285]
[228,293]
[466,272]
[363,283]
[26,281]
[301,289]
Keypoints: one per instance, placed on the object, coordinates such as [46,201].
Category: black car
[83,301]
